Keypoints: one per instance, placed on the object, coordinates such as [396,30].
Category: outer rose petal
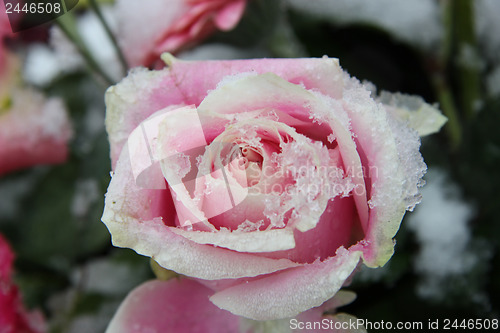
[278,296]
[182,305]
[420,116]
[177,306]
[33,131]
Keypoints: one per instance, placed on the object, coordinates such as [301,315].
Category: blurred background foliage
[67,266]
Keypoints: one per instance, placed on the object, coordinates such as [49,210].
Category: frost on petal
[134,99]
[326,311]
[393,168]
[177,306]
[255,241]
[294,106]
[288,293]
[422,117]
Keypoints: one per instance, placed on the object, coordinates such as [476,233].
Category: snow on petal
[288,293]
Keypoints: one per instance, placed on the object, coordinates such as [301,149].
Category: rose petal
[381,144]
[335,228]
[413,110]
[241,241]
[288,293]
[229,16]
[177,306]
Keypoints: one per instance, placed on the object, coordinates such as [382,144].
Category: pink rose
[13,317]
[266,179]
[33,130]
[182,306]
[147,29]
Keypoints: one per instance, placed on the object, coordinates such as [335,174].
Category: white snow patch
[41,65]
[441,226]
[488,26]
[417,22]
[96,40]
[86,193]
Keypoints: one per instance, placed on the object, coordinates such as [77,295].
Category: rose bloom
[147,29]
[13,317]
[268,180]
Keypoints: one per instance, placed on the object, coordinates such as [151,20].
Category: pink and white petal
[176,306]
[133,100]
[414,111]
[393,151]
[291,292]
[138,218]
[242,241]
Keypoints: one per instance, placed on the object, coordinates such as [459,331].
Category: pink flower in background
[182,306]
[265,179]
[33,130]
[13,317]
[147,29]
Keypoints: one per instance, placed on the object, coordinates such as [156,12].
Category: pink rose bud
[268,179]
[147,29]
